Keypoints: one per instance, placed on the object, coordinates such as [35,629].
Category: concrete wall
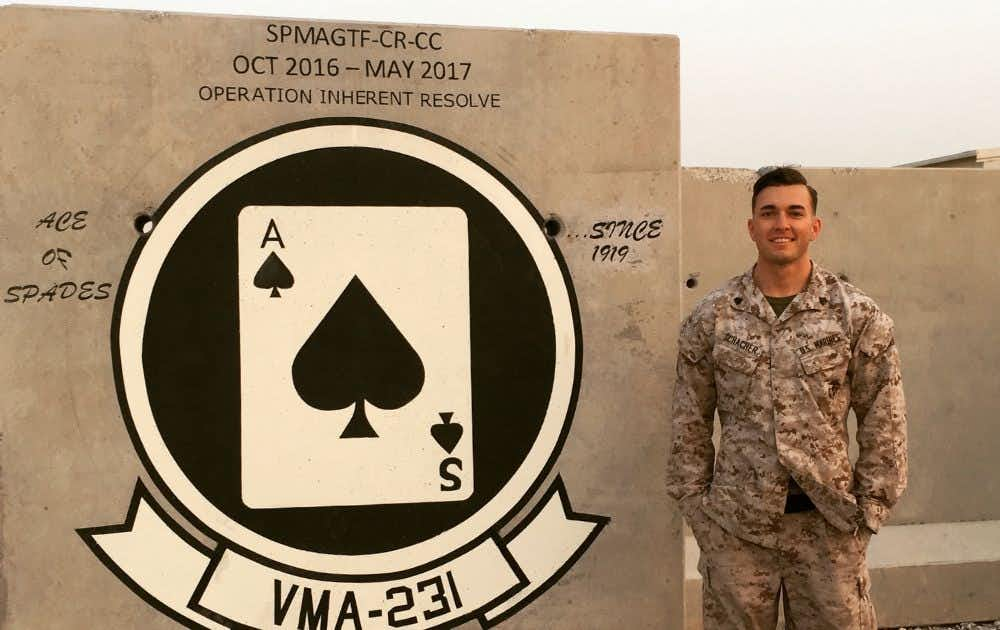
[104,112]
[921,242]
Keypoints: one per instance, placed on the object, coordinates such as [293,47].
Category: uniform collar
[748,296]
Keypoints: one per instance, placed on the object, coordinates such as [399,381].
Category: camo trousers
[821,570]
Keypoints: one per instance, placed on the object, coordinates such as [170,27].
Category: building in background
[976,158]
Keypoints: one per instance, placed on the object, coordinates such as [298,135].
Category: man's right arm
[692,456]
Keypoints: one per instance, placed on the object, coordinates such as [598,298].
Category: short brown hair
[783,176]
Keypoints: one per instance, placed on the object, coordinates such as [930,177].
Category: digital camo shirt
[783,387]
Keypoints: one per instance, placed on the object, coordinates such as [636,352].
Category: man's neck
[782,280]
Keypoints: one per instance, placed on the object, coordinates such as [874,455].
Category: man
[783,352]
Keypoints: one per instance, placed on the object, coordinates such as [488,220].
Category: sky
[846,83]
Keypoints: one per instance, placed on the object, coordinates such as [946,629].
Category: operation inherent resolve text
[326,67]
[331,67]
[308,96]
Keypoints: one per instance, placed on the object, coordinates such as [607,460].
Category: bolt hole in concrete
[143,224]
[691,282]
[553,226]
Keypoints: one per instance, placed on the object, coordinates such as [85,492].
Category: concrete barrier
[143,154]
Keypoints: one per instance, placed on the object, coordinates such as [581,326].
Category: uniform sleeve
[692,456]
[877,399]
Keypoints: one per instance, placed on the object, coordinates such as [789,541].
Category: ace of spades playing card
[355,378]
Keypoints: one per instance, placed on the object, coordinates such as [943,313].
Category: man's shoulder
[707,308]
[872,327]
[861,305]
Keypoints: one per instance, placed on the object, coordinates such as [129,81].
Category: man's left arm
[878,403]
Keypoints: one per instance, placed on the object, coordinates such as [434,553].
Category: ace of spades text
[404,265]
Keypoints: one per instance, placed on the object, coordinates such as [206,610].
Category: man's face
[783,224]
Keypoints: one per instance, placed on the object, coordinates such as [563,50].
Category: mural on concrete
[348,357]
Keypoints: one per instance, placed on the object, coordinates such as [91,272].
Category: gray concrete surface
[103,113]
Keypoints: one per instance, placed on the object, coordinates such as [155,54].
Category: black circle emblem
[181,349]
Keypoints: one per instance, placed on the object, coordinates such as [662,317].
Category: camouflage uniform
[783,387]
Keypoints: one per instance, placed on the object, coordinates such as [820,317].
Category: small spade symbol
[274,275]
[356,354]
[446,433]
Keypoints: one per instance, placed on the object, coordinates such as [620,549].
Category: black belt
[798,503]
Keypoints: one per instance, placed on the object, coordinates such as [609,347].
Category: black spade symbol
[274,275]
[447,433]
[356,354]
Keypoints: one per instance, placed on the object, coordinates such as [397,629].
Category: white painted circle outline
[134,310]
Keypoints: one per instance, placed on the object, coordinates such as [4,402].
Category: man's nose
[781,221]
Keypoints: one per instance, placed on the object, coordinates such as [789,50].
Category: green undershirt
[779,303]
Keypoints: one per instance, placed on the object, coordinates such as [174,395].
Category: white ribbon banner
[225,589]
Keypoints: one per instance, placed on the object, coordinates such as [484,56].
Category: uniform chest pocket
[734,372]
[825,374]
[824,360]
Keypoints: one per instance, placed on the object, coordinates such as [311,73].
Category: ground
[980,625]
